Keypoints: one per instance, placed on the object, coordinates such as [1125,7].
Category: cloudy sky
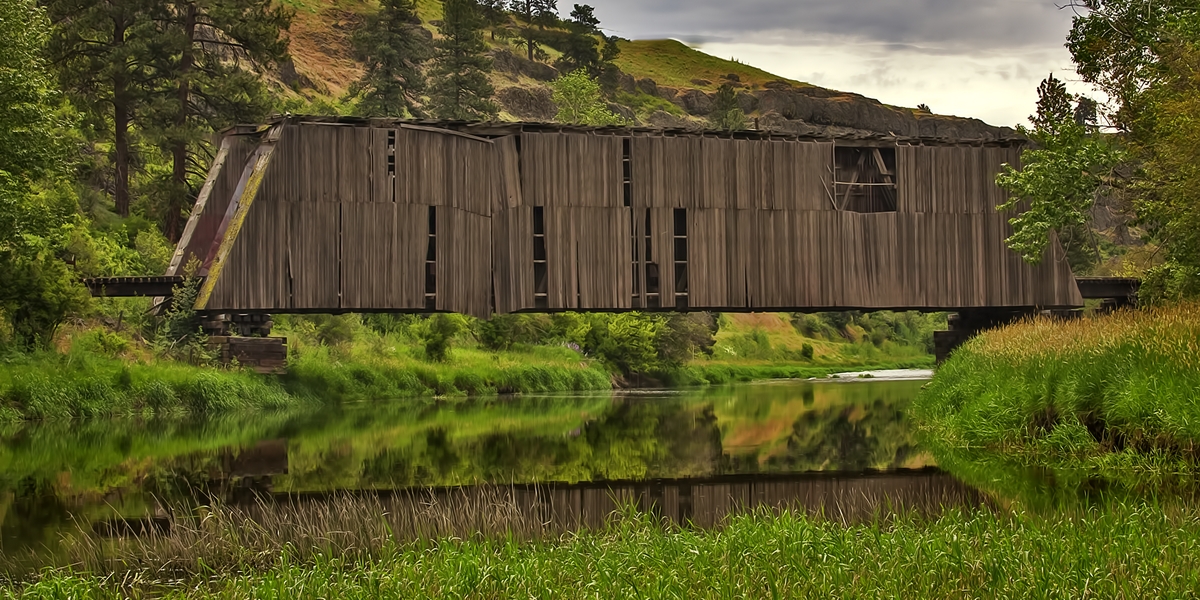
[973,58]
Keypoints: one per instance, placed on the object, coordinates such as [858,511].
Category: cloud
[933,26]
[998,87]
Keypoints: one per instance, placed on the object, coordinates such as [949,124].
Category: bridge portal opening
[864,179]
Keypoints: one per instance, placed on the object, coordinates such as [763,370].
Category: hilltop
[663,83]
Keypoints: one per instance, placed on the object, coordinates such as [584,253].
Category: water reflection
[123,474]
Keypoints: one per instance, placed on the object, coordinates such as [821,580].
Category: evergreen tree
[581,49]
[214,52]
[536,14]
[495,14]
[727,115]
[1053,107]
[392,50]
[100,51]
[460,89]
[584,18]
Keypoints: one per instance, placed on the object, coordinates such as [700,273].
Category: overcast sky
[972,58]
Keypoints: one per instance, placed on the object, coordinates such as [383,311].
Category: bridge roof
[503,128]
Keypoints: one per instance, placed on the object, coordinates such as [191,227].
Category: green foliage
[1144,57]
[580,102]
[392,49]
[535,16]
[727,114]
[1058,182]
[806,351]
[461,90]
[178,335]
[1168,198]
[645,104]
[198,89]
[502,332]
[439,332]
[37,291]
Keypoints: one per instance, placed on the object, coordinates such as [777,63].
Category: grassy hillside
[320,48]
[672,63]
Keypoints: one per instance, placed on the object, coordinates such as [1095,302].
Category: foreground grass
[1117,393]
[1127,551]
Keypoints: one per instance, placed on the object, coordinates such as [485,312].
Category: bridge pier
[252,348]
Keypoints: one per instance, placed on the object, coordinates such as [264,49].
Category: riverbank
[95,371]
[48,386]
[1114,394]
[1131,551]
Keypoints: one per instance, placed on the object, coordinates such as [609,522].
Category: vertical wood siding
[341,224]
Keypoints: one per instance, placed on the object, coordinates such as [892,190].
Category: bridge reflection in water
[704,502]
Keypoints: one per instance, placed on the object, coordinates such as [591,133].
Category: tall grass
[73,385]
[359,374]
[1119,392]
[1122,551]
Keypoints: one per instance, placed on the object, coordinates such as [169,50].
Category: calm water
[692,455]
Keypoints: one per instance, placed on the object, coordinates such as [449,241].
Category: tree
[536,14]
[727,114]
[209,64]
[99,49]
[578,99]
[37,290]
[1145,57]
[392,50]
[1167,187]
[495,14]
[461,90]
[1059,179]
[584,18]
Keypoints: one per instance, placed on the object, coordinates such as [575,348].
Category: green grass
[1126,551]
[1107,394]
[49,385]
[673,64]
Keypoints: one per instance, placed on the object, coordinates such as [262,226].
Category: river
[840,448]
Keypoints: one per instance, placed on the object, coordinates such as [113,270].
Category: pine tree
[392,49]
[100,51]
[584,17]
[1053,107]
[727,115]
[214,50]
[537,14]
[495,14]
[460,89]
[581,50]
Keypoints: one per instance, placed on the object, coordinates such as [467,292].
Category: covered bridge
[355,215]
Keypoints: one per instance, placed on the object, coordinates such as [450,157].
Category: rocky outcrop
[528,104]
[809,110]
[665,120]
[695,102]
[516,66]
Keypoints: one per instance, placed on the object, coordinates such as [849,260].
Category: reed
[1118,551]
[1115,392]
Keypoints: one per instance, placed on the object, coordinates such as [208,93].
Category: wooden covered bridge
[319,215]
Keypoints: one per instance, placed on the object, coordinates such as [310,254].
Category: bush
[438,333]
[806,351]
